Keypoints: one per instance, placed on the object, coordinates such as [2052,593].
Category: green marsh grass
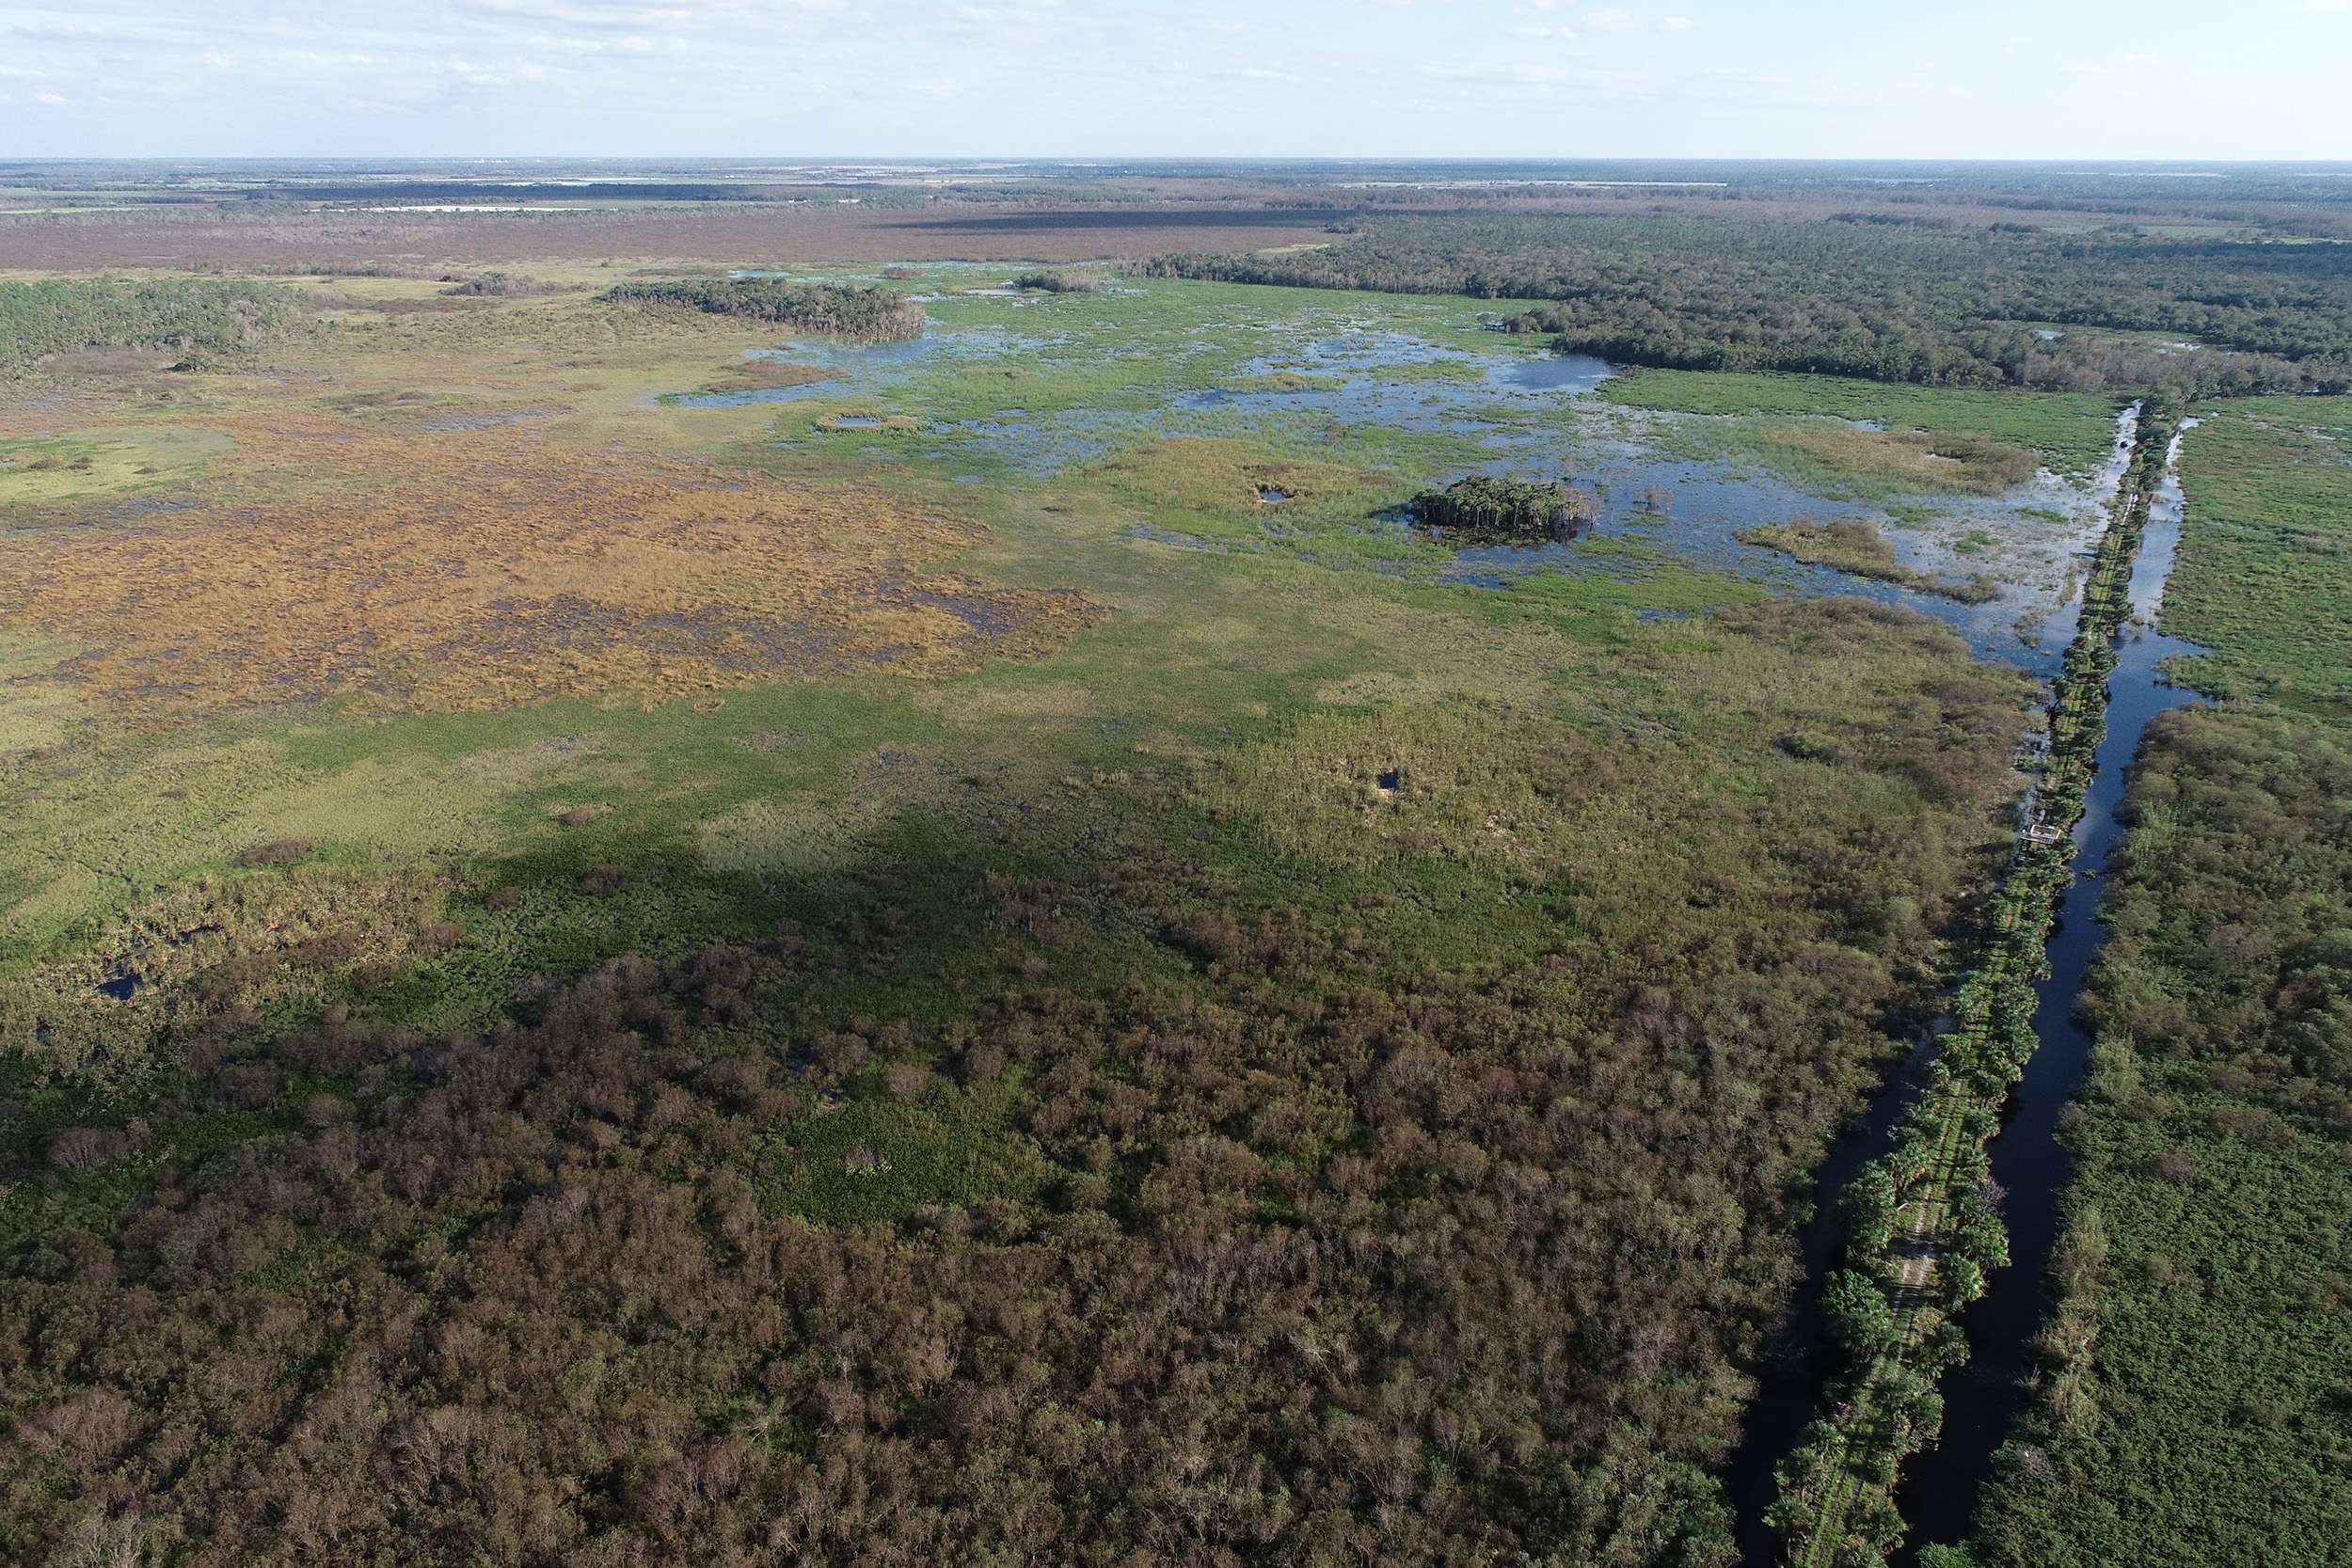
[2264,570]
[2072,432]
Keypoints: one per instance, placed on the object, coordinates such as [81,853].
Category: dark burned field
[300,241]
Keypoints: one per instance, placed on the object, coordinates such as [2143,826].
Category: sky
[2167,79]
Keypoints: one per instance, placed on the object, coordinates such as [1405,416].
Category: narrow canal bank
[1802,1360]
[1903,1255]
[1789,1384]
[2029,1165]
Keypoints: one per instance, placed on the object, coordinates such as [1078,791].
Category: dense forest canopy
[56,315]
[1883,300]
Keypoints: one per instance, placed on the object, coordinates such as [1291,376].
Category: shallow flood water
[863,367]
[1528,415]
[1710,502]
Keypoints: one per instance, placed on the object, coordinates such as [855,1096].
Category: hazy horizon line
[1269,158]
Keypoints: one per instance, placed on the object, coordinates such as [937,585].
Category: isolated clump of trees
[1508,507]
[493,284]
[1884,302]
[868,314]
[1057,283]
[198,316]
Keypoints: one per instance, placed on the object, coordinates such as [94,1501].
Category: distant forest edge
[870,314]
[206,319]
[1992,307]
[198,316]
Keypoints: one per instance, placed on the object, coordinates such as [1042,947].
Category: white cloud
[79,32]
[319,59]
[1608,19]
[474,73]
[1128,78]
[625,44]
[635,15]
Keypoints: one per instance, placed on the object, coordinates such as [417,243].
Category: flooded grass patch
[767,375]
[98,465]
[1288,381]
[871,420]
[2264,552]
[1834,455]
[2072,431]
[1205,478]
[1059,283]
[1853,544]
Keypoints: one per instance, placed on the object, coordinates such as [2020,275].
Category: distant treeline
[873,315]
[555,190]
[200,315]
[1886,302]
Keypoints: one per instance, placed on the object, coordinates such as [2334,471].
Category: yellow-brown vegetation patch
[1913,459]
[1210,474]
[483,568]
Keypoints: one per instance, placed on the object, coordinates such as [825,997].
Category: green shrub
[835,310]
[201,317]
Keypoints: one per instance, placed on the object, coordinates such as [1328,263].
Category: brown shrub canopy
[485,568]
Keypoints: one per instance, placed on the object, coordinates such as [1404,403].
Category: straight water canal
[2029,1165]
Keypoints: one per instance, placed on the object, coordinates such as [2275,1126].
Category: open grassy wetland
[798,891]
